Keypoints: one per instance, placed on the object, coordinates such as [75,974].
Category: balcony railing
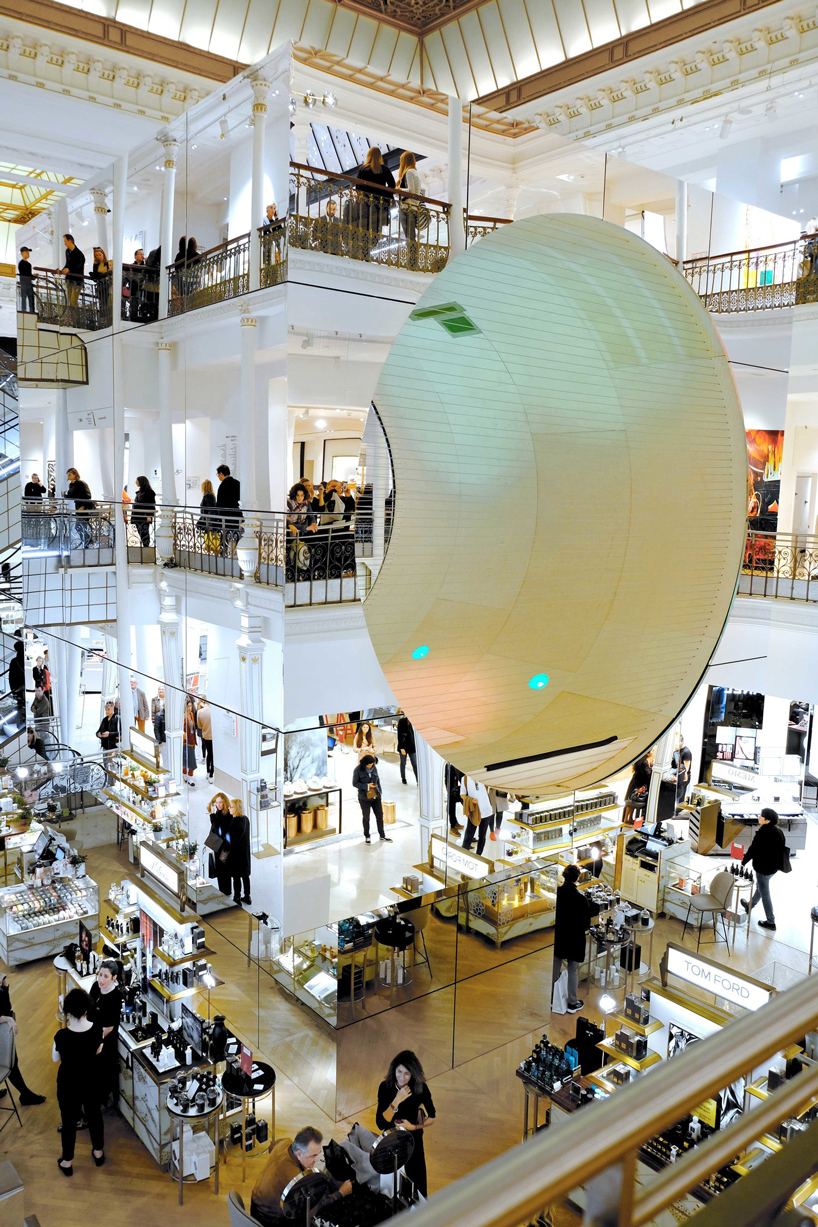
[317,567]
[54,527]
[782,566]
[213,276]
[78,302]
[344,216]
[783,275]
[477,227]
[273,249]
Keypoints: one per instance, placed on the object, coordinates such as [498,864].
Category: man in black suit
[228,501]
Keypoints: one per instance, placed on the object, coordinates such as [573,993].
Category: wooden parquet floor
[131,1189]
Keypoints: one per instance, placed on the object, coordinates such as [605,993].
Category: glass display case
[511,902]
[564,822]
[37,921]
[142,797]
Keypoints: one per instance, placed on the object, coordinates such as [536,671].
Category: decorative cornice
[687,78]
[118,83]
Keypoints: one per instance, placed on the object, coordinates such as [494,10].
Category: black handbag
[214,842]
[786,864]
[338,1163]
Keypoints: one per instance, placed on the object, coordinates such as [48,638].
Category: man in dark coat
[766,853]
[574,915]
[228,502]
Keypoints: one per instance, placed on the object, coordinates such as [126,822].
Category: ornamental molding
[759,56]
[352,270]
[125,85]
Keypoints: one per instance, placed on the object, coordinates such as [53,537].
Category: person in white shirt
[478,793]
[409,180]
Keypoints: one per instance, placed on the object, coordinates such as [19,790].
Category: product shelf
[613,1052]
[203,953]
[649,1029]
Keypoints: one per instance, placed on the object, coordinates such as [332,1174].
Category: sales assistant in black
[573,918]
[106,997]
[404,1099]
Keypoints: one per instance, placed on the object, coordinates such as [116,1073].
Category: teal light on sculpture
[419,653]
[538,681]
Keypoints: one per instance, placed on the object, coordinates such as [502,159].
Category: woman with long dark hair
[192,258]
[143,509]
[76,1049]
[189,733]
[404,1099]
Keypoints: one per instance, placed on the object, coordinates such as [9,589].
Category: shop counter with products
[656,1024]
[38,920]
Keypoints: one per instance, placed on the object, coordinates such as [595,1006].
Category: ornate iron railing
[783,566]
[78,302]
[140,293]
[213,276]
[85,537]
[477,227]
[782,275]
[344,216]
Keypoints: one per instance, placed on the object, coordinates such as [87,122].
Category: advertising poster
[765,449]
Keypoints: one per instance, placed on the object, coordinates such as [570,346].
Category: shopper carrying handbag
[367,781]
[478,812]
[769,855]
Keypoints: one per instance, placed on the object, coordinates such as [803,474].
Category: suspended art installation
[570,465]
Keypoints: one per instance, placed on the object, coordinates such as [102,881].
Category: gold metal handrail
[342,215]
[780,275]
[515,1187]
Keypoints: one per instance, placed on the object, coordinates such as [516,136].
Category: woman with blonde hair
[207,523]
[101,275]
[376,202]
[238,862]
[219,840]
[409,180]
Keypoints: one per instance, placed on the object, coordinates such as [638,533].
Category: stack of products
[546,1065]
[44,905]
[352,935]
[637,1009]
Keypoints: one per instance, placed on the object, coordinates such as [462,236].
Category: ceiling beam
[115,36]
[691,23]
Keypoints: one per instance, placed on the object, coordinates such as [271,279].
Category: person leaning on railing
[73,271]
[101,276]
[409,180]
[143,509]
[301,520]
[84,505]
[271,235]
[375,204]
[208,521]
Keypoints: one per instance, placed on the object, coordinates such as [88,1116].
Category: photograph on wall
[731,1103]
[305,753]
[765,449]
[679,1038]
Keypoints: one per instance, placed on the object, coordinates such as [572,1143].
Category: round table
[397,934]
[604,977]
[177,1117]
[248,1088]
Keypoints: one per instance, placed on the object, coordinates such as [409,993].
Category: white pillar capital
[170,146]
[165,347]
[260,88]
[248,321]
[99,197]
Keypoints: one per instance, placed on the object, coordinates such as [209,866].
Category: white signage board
[734,775]
[458,859]
[727,984]
[159,869]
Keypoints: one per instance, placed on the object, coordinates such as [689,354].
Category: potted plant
[190,849]
[77,861]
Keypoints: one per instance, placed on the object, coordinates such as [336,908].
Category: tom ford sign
[457,858]
[713,978]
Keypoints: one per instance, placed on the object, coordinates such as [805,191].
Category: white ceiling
[476,53]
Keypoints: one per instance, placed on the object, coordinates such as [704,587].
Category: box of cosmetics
[620,1074]
[637,1010]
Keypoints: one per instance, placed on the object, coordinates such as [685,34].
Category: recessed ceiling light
[321,423]
[539,681]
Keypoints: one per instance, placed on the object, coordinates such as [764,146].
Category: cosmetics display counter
[143,797]
[721,816]
[564,822]
[38,920]
[646,864]
[511,901]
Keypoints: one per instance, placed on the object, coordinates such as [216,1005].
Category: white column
[246,450]
[681,220]
[63,441]
[663,754]
[260,88]
[433,816]
[174,673]
[251,706]
[59,227]
[280,443]
[166,464]
[123,623]
[67,681]
[118,240]
[171,147]
[100,218]
[49,442]
[377,473]
[291,477]
[457,234]
[108,684]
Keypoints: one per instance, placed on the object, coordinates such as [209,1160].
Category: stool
[813,924]
[397,935]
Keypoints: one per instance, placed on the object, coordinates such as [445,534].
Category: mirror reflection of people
[404,1099]
[289,1157]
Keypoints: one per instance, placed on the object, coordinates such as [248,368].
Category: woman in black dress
[77,1049]
[636,797]
[143,509]
[404,1099]
[239,861]
[221,823]
[106,997]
